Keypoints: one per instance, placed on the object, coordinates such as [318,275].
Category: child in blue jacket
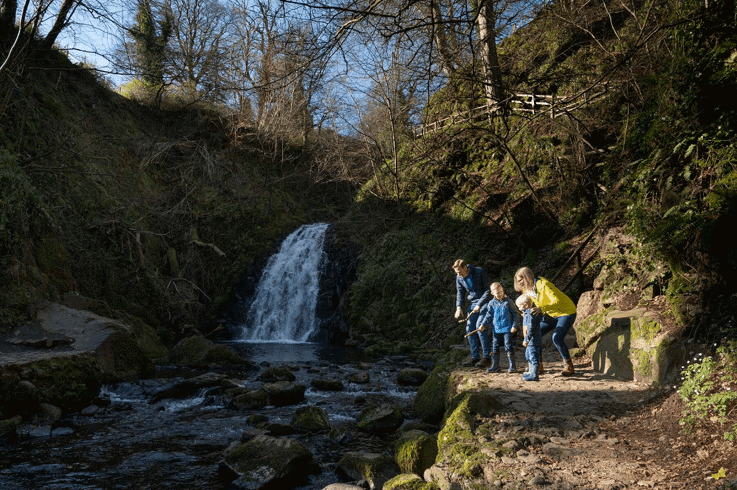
[504,316]
[533,338]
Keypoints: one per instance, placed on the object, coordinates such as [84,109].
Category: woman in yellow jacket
[557,309]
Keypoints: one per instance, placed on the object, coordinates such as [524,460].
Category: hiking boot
[483,363]
[471,362]
[568,369]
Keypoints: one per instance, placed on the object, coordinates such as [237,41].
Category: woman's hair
[523,302]
[524,280]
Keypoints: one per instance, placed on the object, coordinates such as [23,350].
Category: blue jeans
[561,326]
[479,339]
[506,338]
[532,355]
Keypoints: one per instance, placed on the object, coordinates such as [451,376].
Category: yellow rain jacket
[551,300]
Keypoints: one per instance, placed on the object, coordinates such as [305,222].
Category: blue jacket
[532,322]
[502,314]
[479,293]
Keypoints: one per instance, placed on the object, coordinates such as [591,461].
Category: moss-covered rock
[284,393]
[250,400]
[266,460]
[411,376]
[199,352]
[380,419]
[630,345]
[327,384]
[415,451]
[409,482]
[311,419]
[429,403]
[9,426]
[375,468]
[274,374]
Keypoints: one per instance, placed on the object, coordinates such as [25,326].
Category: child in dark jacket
[533,338]
[504,316]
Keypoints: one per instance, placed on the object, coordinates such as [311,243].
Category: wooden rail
[580,267]
[527,103]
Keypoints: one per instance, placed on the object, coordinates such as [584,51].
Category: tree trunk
[490,58]
[59,24]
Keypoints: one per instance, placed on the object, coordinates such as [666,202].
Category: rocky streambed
[177,431]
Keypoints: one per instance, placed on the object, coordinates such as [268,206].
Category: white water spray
[284,306]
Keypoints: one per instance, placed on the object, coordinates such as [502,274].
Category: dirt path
[590,431]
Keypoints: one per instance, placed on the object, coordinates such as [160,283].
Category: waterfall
[283,309]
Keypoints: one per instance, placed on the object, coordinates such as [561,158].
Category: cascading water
[283,309]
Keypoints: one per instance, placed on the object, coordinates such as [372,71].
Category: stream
[124,441]
[131,437]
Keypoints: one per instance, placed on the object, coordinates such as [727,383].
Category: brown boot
[568,369]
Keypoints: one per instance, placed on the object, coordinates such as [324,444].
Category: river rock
[274,374]
[187,387]
[267,461]
[375,468]
[284,393]
[327,384]
[409,481]
[411,376]
[250,400]
[429,403]
[343,486]
[9,426]
[47,414]
[199,352]
[415,451]
[380,419]
[360,377]
[311,419]
[275,429]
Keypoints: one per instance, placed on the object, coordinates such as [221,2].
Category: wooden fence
[527,103]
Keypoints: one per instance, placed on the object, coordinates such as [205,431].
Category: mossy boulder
[415,451]
[69,381]
[429,403]
[9,426]
[311,419]
[327,384]
[283,393]
[199,352]
[360,377]
[409,481]
[266,461]
[375,468]
[630,345]
[274,374]
[380,419]
[249,400]
[411,376]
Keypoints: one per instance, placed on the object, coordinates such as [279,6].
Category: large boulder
[631,345]
[267,462]
[274,374]
[411,376]
[199,352]
[247,400]
[380,419]
[283,393]
[429,403]
[68,380]
[311,419]
[415,451]
[375,468]
[327,384]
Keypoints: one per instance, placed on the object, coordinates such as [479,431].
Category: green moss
[409,482]
[415,451]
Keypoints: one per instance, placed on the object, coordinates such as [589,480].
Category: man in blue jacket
[473,282]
